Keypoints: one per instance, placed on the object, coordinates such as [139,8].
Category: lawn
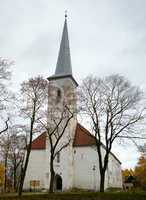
[79,196]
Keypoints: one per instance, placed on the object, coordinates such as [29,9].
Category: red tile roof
[39,142]
[83,137]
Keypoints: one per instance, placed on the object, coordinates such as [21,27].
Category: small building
[128,183]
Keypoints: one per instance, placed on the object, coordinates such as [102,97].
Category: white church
[77,165]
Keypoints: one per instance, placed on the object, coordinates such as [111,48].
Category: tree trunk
[15,180]
[51,189]
[5,183]
[23,173]
[21,184]
[102,180]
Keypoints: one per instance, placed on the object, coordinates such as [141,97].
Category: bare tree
[34,93]
[5,94]
[12,153]
[114,108]
[5,149]
[16,157]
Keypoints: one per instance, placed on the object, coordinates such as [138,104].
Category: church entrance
[58,183]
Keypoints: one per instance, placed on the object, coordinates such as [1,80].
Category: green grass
[79,196]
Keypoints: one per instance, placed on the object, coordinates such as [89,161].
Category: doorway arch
[58,183]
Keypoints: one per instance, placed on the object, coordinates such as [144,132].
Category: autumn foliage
[139,173]
[2,175]
[127,173]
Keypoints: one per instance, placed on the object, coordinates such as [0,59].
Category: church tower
[63,92]
[63,78]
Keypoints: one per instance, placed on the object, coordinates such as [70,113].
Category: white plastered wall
[85,158]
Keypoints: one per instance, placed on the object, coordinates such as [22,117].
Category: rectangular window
[34,184]
[58,157]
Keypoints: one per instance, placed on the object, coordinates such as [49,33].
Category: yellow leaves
[2,174]
[127,173]
[140,171]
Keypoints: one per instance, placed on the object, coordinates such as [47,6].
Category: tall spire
[63,66]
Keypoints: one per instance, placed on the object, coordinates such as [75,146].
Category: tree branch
[6,128]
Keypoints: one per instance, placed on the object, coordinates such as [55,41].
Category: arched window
[59,93]
[58,157]
[58,96]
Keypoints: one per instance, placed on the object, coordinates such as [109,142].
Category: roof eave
[54,77]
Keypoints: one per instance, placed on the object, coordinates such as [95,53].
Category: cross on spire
[65,14]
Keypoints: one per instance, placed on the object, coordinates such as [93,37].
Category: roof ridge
[44,133]
[39,142]
[87,131]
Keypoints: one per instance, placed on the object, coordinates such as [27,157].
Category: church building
[77,165]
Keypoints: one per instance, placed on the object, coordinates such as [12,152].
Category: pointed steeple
[63,66]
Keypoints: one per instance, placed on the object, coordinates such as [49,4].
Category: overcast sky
[106,37]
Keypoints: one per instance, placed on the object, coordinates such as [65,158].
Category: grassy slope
[79,196]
